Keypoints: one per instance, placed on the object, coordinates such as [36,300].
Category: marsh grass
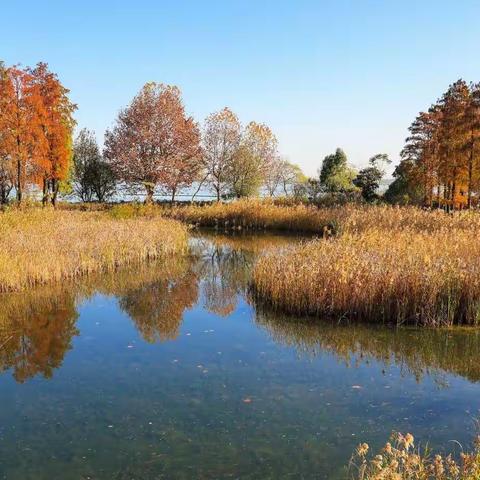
[40,246]
[254,214]
[400,460]
[401,277]
[386,264]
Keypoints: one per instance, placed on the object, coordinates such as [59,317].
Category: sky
[322,74]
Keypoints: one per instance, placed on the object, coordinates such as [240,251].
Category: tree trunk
[45,192]
[470,170]
[55,187]
[19,181]
[454,188]
[174,191]
[199,187]
[149,197]
[19,173]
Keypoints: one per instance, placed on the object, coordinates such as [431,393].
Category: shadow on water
[170,371]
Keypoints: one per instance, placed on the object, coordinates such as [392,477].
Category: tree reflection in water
[36,330]
[224,263]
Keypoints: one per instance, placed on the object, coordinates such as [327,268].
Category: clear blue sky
[322,74]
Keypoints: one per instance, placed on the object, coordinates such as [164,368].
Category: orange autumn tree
[7,170]
[57,124]
[21,111]
[35,129]
[441,158]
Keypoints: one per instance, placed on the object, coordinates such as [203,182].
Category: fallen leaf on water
[247,400]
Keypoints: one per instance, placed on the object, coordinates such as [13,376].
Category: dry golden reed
[253,214]
[400,460]
[269,215]
[39,246]
[390,265]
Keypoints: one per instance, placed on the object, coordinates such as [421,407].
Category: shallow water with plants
[169,371]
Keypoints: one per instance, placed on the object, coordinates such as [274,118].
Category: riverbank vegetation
[402,266]
[401,460]
[45,245]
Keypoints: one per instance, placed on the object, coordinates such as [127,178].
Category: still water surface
[169,372]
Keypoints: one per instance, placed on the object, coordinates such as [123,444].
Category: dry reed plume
[40,246]
[400,460]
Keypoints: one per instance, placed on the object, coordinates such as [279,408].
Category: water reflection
[157,307]
[416,352]
[37,327]
[36,330]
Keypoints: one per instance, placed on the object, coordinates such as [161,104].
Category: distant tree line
[154,146]
[153,143]
[339,182]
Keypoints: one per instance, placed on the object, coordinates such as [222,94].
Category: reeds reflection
[415,351]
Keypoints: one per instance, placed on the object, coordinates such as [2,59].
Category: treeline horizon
[154,144]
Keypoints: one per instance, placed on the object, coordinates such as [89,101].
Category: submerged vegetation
[400,460]
[40,246]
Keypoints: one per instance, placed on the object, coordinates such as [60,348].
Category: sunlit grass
[271,215]
[389,266]
[40,246]
[253,215]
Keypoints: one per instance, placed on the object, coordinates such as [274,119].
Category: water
[169,372]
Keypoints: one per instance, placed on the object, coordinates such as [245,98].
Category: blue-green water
[169,372]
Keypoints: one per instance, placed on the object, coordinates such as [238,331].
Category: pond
[170,372]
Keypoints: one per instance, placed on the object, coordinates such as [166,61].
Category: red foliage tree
[153,142]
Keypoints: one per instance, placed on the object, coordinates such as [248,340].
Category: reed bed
[253,215]
[41,246]
[389,276]
[400,460]
[267,214]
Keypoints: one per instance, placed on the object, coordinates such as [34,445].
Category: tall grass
[400,460]
[390,266]
[269,215]
[41,246]
[253,215]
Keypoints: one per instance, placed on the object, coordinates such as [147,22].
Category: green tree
[368,179]
[93,177]
[336,175]
[252,160]
[403,190]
